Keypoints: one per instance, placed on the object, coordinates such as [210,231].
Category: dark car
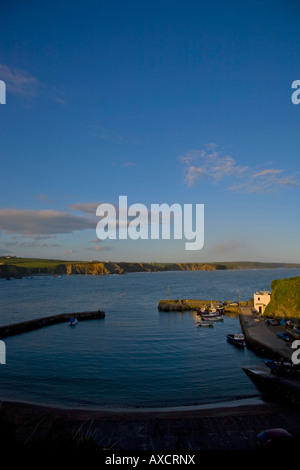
[271,322]
[285,336]
[275,438]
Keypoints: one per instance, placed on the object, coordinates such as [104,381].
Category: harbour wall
[23,327]
[181,305]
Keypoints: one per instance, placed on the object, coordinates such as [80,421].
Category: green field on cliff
[285,299]
[39,263]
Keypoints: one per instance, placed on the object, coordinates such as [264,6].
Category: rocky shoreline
[18,269]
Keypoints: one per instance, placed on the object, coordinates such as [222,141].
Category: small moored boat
[73,321]
[212,318]
[238,339]
[205,323]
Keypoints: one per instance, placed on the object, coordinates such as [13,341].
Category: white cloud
[86,207]
[22,83]
[19,82]
[266,181]
[42,222]
[210,164]
[270,171]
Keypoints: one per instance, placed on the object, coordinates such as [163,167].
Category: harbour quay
[262,338]
[181,305]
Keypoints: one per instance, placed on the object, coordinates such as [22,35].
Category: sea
[137,356]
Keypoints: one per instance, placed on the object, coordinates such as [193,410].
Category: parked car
[272,322]
[285,336]
[274,438]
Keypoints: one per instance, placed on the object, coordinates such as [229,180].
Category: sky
[185,102]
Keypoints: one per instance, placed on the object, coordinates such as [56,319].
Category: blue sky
[183,102]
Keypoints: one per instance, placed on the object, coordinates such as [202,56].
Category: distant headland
[14,267]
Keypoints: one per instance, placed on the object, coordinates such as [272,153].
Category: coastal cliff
[100,268]
[285,299]
[123,268]
[21,267]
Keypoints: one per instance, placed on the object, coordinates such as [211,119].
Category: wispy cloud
[269,172]
[42,222]
[22,83]
[209,163]
[108,135]
[44,198]
[19,82]
[212,165]
[59,100]
[100,248]
[43,237]
[264,182]
[128,164]
[31,244]
[69,252]
[86,207]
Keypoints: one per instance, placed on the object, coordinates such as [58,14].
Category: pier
[23,327]
[262,338]
[181,305]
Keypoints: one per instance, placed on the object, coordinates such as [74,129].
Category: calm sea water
[135,357]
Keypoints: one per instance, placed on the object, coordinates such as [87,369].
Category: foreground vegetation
[285,299]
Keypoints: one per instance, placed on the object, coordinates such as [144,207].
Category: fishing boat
[283,368]
[237,339]
[281,388]
[208,313]
[73,321]
[212,318]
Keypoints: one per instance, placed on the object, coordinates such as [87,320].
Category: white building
[261,300]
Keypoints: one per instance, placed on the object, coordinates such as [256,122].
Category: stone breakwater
[23,327]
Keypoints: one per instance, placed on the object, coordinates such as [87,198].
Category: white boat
[208,314]
[205,323]
[212,318]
